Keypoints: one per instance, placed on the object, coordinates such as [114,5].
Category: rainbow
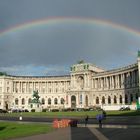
[59,20]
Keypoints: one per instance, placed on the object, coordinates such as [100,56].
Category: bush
[44,110]
[55,110]
[32,110]
[26,110]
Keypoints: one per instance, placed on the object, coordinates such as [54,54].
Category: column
[74,82]
[122,80]
[118,99]
[104,85]
[26,86]
[13,90]
[46,87]
[113,81]
[84,80]
[110,81]
[119,78]
[20,86]
[132,79]
[33,85]
[123,99]
[69,100]
[106,100]
[116,81]
[107,85]
[99,83]
[99,86]
[94,82]
[40,86]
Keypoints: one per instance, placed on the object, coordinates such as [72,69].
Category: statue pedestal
[36,106]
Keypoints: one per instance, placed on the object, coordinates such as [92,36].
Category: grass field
[73,114]
[10,130]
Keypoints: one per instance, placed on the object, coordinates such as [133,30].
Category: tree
[3,73]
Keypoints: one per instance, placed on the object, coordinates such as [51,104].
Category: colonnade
[117,81]
[42,87]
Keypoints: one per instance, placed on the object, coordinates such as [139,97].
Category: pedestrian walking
[104,114]
[100,117]
[86,120]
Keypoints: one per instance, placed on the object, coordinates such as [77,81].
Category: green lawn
[73,114]
[10,130]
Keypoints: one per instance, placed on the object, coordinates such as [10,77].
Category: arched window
[126,99]
[23,101]
[43,101]
[55,101]
[73,101]
[62,101]
[137,96]
[16,101]
[109,100]
[49,101]
[103,100]
[29,100]
[120,99]
[115,99]
[86,100]
[97,100]
[80,99]
[131,97]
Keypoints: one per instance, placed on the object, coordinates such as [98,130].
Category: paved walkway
[91,132]
[81,133]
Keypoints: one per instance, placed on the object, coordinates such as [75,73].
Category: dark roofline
[37,76]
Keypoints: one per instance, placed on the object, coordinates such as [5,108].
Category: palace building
[86,86]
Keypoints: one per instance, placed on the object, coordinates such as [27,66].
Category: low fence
[117,107]
[64,123]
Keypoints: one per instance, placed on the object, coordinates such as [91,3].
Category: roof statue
[81,62]
[138,53]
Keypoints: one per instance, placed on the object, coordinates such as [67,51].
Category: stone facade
[86,86]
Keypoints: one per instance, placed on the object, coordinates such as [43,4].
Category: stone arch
[115,99]
[23,101]
[29,100]
[55,101]
[49,101]
[6,105]
[86,100]
[103,100]
[126,98]
[131,98]
[97,100]
[120,99]
[16,101]
[42,101]
[109,100]
[80,81]
[137,96]
[62,101]
[73,101]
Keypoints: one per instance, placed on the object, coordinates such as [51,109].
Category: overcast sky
[51,50]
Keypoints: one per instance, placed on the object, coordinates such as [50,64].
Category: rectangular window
[0,89]
[8,89]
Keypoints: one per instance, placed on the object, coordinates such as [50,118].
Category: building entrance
[73,101]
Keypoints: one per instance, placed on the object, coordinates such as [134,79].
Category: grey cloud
[42,46]
[65,44]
